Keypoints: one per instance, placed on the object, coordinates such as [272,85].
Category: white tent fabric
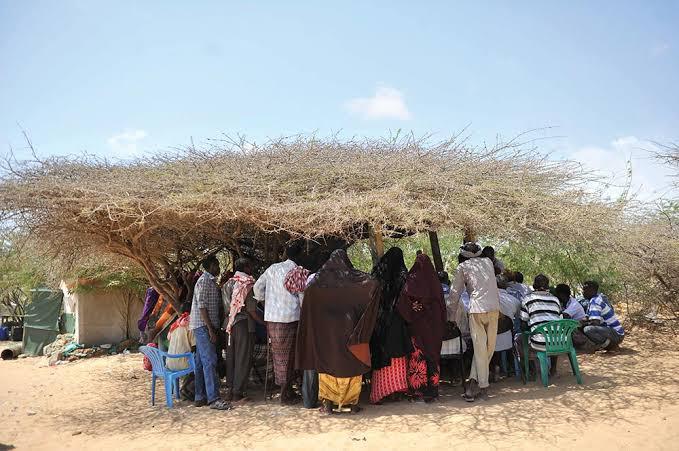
[103,315]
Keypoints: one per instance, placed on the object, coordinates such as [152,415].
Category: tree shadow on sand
[610,381]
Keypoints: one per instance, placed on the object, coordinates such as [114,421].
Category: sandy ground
[630,400]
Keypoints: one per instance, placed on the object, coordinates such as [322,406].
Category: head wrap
[470,250]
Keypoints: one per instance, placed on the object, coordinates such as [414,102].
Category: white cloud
[124,145]
[627,158]
[387,103]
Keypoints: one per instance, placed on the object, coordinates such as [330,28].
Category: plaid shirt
[280,306]
[206,295]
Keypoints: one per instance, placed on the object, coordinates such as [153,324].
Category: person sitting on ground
[281,314]
[515,285]
[336,324]
[602,326]
[204,323]
[477,275]
[241,315]
[538,308]
[570,306]
[489,252]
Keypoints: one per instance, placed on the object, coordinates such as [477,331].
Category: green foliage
[561,263]
[130,278]
[449,243]
[19,271]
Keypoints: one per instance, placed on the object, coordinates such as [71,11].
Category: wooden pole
[436,251]
[376,243]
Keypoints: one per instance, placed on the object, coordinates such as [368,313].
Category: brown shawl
[337,319]
[427,325]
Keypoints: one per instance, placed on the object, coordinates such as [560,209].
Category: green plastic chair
[558,340]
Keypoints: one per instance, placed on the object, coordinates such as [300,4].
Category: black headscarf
[390,338]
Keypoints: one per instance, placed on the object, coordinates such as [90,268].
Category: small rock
[77,433]
[30,413]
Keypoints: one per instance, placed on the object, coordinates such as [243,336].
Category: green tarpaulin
[41,323]
[67,325]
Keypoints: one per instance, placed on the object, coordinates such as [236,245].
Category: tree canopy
[172,209]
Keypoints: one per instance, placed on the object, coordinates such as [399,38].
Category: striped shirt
[600,309]
[539,308]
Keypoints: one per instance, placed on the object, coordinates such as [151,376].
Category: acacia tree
[169,211]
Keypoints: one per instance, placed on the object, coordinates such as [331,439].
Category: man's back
[539,307]
[478,276]
[280,306]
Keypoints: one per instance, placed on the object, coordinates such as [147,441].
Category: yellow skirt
[343,391]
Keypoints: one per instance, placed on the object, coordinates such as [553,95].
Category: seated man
[571,307]
[510,306]
[515,285]
[538,308]
[602,327]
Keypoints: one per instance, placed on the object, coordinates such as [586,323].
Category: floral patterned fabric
[423,375]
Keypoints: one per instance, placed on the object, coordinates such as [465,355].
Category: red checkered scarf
[295,280]
[240,290]
[182,321]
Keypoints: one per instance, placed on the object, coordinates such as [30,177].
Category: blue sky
[124,78]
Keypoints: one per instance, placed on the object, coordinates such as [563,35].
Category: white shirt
[280,306]
[575,310]
[478,276]
[509,305]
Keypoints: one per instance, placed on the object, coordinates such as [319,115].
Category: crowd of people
[338,330]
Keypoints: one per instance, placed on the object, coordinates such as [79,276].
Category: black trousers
[239,357]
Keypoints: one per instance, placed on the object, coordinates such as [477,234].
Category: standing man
[602,327]
[281,314]
[204,323]
[477,275]
[239,323]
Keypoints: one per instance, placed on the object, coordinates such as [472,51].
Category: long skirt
[343,391]
[283,337]
[389,380]
[423,375]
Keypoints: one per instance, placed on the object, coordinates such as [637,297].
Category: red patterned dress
[389,380]
[423,376]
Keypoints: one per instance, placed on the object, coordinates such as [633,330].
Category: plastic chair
[558,340]
[170,377]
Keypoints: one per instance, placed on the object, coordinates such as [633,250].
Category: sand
[630,400]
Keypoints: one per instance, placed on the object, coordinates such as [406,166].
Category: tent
[41,321]
[100,315]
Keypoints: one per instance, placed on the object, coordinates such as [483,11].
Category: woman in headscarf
[390,344]
[422,306]
[336,323]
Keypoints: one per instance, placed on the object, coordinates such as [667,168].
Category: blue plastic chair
[170,377]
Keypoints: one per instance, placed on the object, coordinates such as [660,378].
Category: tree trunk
[376,243]
[436,251]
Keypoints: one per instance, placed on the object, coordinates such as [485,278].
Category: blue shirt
[600,309]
